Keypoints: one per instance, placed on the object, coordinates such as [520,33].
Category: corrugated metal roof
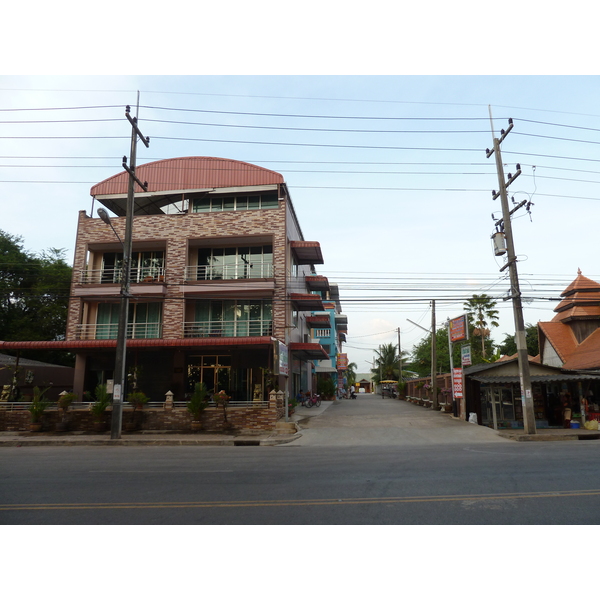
[190,173]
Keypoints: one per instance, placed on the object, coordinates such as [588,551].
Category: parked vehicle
[314,400]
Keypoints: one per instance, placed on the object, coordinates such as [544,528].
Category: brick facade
[167,367]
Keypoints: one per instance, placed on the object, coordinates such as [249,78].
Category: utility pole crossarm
[133,121]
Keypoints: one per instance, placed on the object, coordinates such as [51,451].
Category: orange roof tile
[581,283]
[561,338]
[586,355]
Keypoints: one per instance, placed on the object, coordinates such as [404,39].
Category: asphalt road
[461,475]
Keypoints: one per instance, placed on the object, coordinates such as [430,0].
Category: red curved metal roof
[188,173]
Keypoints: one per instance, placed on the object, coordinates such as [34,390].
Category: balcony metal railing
[253,328]
[108,331]
[253,270]
[112,276]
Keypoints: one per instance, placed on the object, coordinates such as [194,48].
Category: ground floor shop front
[246,369]
[560,398]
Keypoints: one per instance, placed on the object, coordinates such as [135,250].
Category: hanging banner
[457,383]
[458,329]
[465,356]
[342,362]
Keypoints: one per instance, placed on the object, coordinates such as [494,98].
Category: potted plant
[98,408]
[37,408]
[137,399]
[326,388]
[197,405]
[221,398]
[65,399]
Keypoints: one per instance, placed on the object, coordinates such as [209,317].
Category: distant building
[329,328]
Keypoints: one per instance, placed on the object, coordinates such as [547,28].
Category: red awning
[319,321]
[307,253]
[307,301]
[317,283]
[137,343]
[308,351]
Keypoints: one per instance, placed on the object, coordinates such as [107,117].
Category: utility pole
[515,293]
[399,363]
[120,358]
[434,403]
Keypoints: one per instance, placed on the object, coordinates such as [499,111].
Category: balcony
[150,281]
[254,328]
[108,331]
[253,270]
[113,276]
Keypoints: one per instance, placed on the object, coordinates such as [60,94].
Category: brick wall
[175,231]
[150,419]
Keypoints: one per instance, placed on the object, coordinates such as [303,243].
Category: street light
[120,356]
[103,214]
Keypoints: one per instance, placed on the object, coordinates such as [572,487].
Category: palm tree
[386,362]
[350,373]
[483,315]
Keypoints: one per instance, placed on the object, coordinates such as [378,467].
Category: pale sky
[387,171]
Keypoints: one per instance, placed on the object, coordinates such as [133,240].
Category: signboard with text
[458,329]
[465,356]
[342,362]
[457,383]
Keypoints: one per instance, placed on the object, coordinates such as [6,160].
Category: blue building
[328,328]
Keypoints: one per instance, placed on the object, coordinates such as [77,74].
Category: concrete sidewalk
[284,433]
[147,438]
[549,435]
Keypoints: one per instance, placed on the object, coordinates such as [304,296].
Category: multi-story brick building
[221,282]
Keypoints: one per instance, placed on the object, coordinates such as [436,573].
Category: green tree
[386,364]
[508,347]
[34,295]
[420,361]
[482,316]
[350,373]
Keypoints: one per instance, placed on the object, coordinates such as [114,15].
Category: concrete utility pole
[120,358]
[434,402]
[399,363]
[515,293]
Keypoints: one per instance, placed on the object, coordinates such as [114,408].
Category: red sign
[458,329]
[342,362]
[457,383]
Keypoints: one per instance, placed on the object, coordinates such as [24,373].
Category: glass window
[107,321]
[253,202]
[229,203]
[241,203]
[112,265]
[269,201]
[202,205]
